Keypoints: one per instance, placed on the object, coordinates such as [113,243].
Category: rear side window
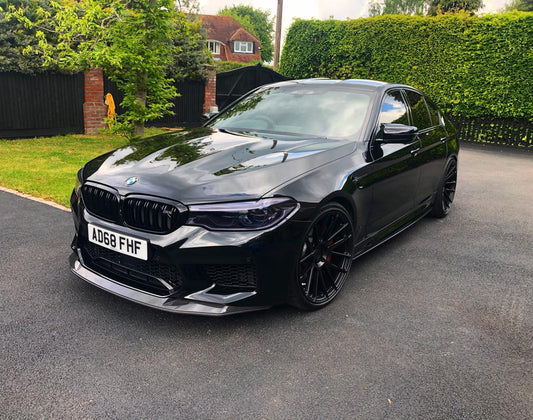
[419,110]
[436,117]
[393,109]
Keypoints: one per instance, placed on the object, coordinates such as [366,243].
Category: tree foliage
[15,38]
[438,7]
[471,66]
[521,5]
[256,21]
[142,45]
[423,7]
[397,7]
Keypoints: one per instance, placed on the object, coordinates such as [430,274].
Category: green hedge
[471,66]
[223,66]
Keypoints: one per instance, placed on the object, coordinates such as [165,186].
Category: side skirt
[368,246]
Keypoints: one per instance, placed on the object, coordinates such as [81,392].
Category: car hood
[207,165]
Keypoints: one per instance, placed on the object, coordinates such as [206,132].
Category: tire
[325,259]
[446,192]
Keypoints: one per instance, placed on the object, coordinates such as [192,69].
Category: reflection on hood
[197,162]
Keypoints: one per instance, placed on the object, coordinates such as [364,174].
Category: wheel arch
[345,201]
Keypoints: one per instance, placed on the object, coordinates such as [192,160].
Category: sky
[319,9]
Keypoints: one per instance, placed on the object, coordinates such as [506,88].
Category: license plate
[124,244]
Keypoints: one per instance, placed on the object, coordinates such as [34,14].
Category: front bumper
[189,250]
[185,305]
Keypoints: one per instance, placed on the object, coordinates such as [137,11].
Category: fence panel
[495,131]
[231,85]
[188,106]
[40,105]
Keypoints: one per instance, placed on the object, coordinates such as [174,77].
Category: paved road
[438,323]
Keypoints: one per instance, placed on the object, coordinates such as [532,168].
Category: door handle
[443,139]
[414,152]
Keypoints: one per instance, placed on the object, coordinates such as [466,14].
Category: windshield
[299,110]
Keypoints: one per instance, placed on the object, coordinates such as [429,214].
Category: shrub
[471,66]
[222,66]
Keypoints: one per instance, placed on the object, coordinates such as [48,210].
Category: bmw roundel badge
[132,180]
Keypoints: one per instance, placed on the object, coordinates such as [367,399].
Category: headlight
[242,215]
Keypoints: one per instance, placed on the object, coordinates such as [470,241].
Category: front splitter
[168,304]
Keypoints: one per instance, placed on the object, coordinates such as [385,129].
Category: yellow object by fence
[111,116]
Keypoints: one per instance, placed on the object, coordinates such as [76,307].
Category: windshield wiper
[232,131]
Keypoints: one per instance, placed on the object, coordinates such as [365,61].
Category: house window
[214,47]
[243,47]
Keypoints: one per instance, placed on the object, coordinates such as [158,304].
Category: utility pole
[277,42]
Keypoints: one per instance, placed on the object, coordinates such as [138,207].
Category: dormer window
[214,47]
[243,47]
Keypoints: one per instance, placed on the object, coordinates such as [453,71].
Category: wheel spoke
[331,226]
[316,286]
[339,242]
[323,283]
[309,280]
[341,254]
[331,279]
[451,171]
[339,269]
[447,200]
[315,235]
[338,231]
[304,259]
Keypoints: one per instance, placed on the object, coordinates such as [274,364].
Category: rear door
[432,155]
[394,172]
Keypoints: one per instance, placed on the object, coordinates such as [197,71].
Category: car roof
[373,85]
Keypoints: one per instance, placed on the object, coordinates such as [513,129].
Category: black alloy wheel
[325,259]
[446,193]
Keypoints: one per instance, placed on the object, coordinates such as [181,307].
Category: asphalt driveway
[438,323]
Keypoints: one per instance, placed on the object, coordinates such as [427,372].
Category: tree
[14,39]
[256,21]
[134,42]
[438,7]
[397,7]
[421,7]
[522,5]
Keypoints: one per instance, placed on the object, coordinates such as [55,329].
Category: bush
[471,66]
[222,66]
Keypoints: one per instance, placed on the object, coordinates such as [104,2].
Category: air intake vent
[153,216]
[158,278]
[241,276]
[101,202]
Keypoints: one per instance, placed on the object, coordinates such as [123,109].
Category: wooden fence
[188,106]
[40,105]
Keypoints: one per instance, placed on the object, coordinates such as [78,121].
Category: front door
[393,173]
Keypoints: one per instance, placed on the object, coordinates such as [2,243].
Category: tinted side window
[436,117]
[393,109]
[419,110]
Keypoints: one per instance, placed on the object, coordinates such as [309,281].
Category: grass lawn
[46,167]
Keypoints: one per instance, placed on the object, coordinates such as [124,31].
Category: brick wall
[94,109]
[210,93]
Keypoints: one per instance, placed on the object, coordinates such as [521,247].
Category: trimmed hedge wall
[471,66]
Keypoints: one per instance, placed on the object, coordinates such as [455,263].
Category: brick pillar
[94,109]
[210,90]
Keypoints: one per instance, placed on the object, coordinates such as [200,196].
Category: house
[229,41]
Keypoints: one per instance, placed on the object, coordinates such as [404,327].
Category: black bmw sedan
[269,202]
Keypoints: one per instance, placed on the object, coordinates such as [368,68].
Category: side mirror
[398,133]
